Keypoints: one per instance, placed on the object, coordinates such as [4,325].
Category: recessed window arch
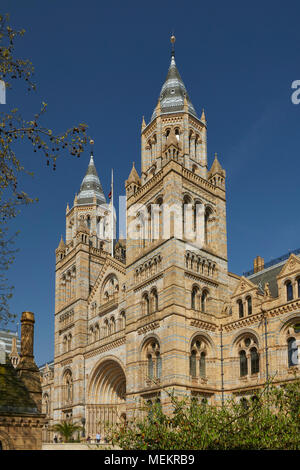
[243,364]
[145,304]
[195,298]
[293,359]
[249,358]
[249,304]
[289,290]
[154,300]
[198,355]
[204,297]
[240,308]
[152,354]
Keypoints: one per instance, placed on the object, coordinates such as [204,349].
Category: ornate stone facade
[171,316]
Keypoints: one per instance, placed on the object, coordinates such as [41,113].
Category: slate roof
[91,186]
[173,92]
[268,275]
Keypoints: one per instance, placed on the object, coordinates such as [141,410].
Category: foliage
[14,128]
[66,429]
[270,421]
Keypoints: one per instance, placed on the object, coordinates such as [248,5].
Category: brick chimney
[259,264]
[27,368]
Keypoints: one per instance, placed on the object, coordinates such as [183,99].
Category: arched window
[154,300]
[112,325]
[65,344]
[198,358]
[153,358]
[150,366]
[298,284]
[243,364]
[254,361]
[249,305]
[194,298]
[203,301]
[202,364]
[289,291]
[158,365]
[241,308]
[146,304]
[123,320]
[69,342]
[193,364]
[292,352]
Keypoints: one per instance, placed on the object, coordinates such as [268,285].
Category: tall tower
[177,281]
[78,263]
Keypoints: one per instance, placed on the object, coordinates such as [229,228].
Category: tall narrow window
[243,364]
[203,301]
[249,305]
[158,365]
[292,352]
[254,361]
[194,297]
[241,308]
[150,367]
[193,364]
[298,284]
[202,364]
[289,291]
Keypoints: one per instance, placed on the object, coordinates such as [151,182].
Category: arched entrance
[106,397]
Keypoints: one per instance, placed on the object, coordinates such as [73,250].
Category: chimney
[259,264]
[27,368]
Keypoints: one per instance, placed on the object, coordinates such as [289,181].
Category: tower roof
[173,92]
[91,186]
[216,167]
[133,177]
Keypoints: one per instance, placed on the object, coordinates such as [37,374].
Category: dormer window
[172,91]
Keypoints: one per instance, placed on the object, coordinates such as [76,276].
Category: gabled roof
[91,187]
[173,93]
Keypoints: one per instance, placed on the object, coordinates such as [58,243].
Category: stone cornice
[105,347]
[148,281]
[198,277]
[203,325]
[150,327]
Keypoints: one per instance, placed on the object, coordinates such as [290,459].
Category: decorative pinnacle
[92,146]
[173,39]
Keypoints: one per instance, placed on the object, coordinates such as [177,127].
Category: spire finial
[173,39]
[92,147]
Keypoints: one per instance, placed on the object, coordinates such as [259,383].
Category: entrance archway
[106,396]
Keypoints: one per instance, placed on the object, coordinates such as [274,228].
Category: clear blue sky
[103,63]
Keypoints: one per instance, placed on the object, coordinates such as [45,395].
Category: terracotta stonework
[171,316]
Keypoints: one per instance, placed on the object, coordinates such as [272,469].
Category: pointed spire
[61,246]
[67,208]
[133,177]
[203,118]
[91,185]
[173,90]
[216,167]
[143,123]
